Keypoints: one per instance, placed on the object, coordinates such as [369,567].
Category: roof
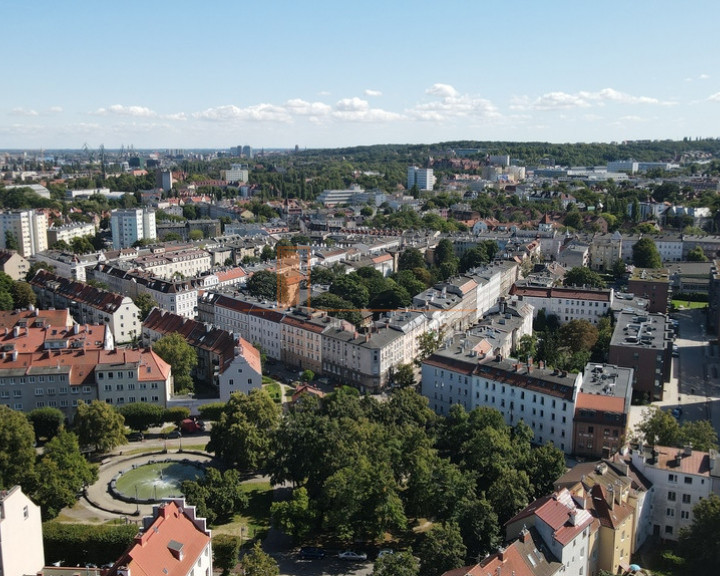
[570,293]
[99,299]
[609,515]
[676,460]
[600,403]
[10,318]
[170,546]
[562,515]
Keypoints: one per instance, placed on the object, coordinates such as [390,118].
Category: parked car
[311,553]
[136,437]
[190,425]
[385,552]
[675,350]
[352,555]
[174,434]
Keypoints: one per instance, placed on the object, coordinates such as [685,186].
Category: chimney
[524,535]
[541,365]
[687,450]
[16,331]
[610,497]
[573,517]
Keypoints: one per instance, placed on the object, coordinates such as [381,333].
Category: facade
[423,178]
[575,254]
[124,376]
[237,173]
[601,411]
[567,303]
[21,541]
[89,305]
[643,343]
[69,265]
[174,542]
[670,246]
[466,371]
[174,263]
[28,229]
[713,314]
[653,285]
[605,250]
[13,264]
[129,226]
[681,478]
[68,232]
[301,337]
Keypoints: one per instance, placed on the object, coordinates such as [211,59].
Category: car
[311,553]
[174,434]
[352,555]
[136,437]
[675,350]
[385,552]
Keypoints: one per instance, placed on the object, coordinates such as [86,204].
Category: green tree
[338,307]
[645,254]
[578,335]
[428,343]
[659,427]
[17,452]
[258,563]
[352,289]
[267,253]
[217,495]
[62,473]
[398,564]
[441,549]
[175,414]
[99,425]
[444,251]
[11,242]
[175,350]
[619,268]
[527,347]
[226,552]
[403,375]
[510,492]
[145,304]
[35,266]
[242,437]
[46,422]
[697,254]
[264,285]
[700,542]
[408,280]
[23,295]
[392,299]
[546,464]
[295,517]
[196,235]
[582,276]
[141,415]
[411,258]
[479,526]
[700,434]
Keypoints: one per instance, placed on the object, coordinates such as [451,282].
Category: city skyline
[325,75]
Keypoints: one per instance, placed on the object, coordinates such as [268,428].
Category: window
[672,477]
[686,498]
[685,515]
[671,497]
[26,512]
[668,530]
[670,512]
[688,480]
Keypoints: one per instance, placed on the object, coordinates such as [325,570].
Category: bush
[226,551]
[78,543]
[211,411]
[176,414]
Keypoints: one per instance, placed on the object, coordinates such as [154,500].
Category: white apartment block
[29,229]
[670,247]
[466,371]
[129,226]
[237,173]
[182,263]
[124,376]
[680,478]
[566,303]
[21,541]
[423,178]
[68,232]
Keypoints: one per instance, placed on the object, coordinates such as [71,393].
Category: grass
[255,520]
[275,391]
[685,305]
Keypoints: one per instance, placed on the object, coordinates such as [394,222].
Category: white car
[350,555]
[385,552]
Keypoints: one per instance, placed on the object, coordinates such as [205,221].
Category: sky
[163,74]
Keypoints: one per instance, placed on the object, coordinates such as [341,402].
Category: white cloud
[582,99]
[55,109]
[176,116]
[714,97]
[120,110]
[257,113]
[358,110]
[23,112]
[370,92]
[442,90]
[703,77]
[300,107]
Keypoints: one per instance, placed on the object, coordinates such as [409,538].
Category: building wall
[119,385]
[238,377]
[21,543]
[16,267]
[656,292]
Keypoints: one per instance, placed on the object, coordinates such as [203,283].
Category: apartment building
[605,250]
[174,542]
[466,371]
[124,376]
[643,342]
[171,264]
[601,410]
[68,264]
[493,281]
[453,301]
[13,264]
[89,305]
[68,232]
[21,540]
[681,478]
[653,285]
[567,304]
[129,226]
[27,228]
[423,178]
[301,338]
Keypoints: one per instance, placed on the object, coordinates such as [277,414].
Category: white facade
[237,173]
[68,232]
[129,226]
[670,247]
[567,303]
[21,543]
[240,376]
[423,178]
[29,229]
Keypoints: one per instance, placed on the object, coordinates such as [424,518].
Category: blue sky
[181,74]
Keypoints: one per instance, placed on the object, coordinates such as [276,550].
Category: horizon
[328,75]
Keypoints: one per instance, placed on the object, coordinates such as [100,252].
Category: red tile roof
[696,463]
[10,318]
[600,402]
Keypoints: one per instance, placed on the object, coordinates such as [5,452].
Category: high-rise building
[421,177]
[24,231]
[129,226]
[237,173]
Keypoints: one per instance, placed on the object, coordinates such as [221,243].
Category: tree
[407,280]
[397,564]
[11,242]
[35,266]
[573,220]
[196,235]
[175,414]
[697,254]
[23,295]
[659,427]
[307,376]
[145,304]
[390,299]
[527,347]
[141,415]
[17,451]
[352,289]
[46,422]
[217,495]
[479,526]
[441,549]
[582,276]
[444,251]
[99,425]
[267,253]
[295,517]
[700,434]
[546,464]
[339,307]
[510,493]
[189,212]
[61,474]
[428,343]
[258,563]
[175,350]
[411,258]
[226,550]
[264,285]
[700,542]
[578,335]
[403,375]
[242,437]
[645,254]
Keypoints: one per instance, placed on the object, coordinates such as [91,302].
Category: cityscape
[323,289]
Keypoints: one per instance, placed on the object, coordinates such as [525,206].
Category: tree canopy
[583,276]
[645,254]
[175,350]
[99,425]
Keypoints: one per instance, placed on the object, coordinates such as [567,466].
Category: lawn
[255,521]
[686,305]
[274,390]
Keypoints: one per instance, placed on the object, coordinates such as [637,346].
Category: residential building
[493,281]
[21,539]
[709,244]
[504,327]
[168,264]
[209,228]
[669,246]
[575,254]
[567,303]
[601,410]
[652,285]
[331,198]
[13,264]
[301,338]
[690,277]
[89,305]
[566,526]
[129,226]
[125,376]
[605,250]
[69,265]
[237,173]
[68,232]
[643,343]
[226,360]
[27,228]
[681,478]
[466,370]
[454,301]
[423,178]
[174,542]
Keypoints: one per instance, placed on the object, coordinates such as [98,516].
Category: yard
[255,521]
